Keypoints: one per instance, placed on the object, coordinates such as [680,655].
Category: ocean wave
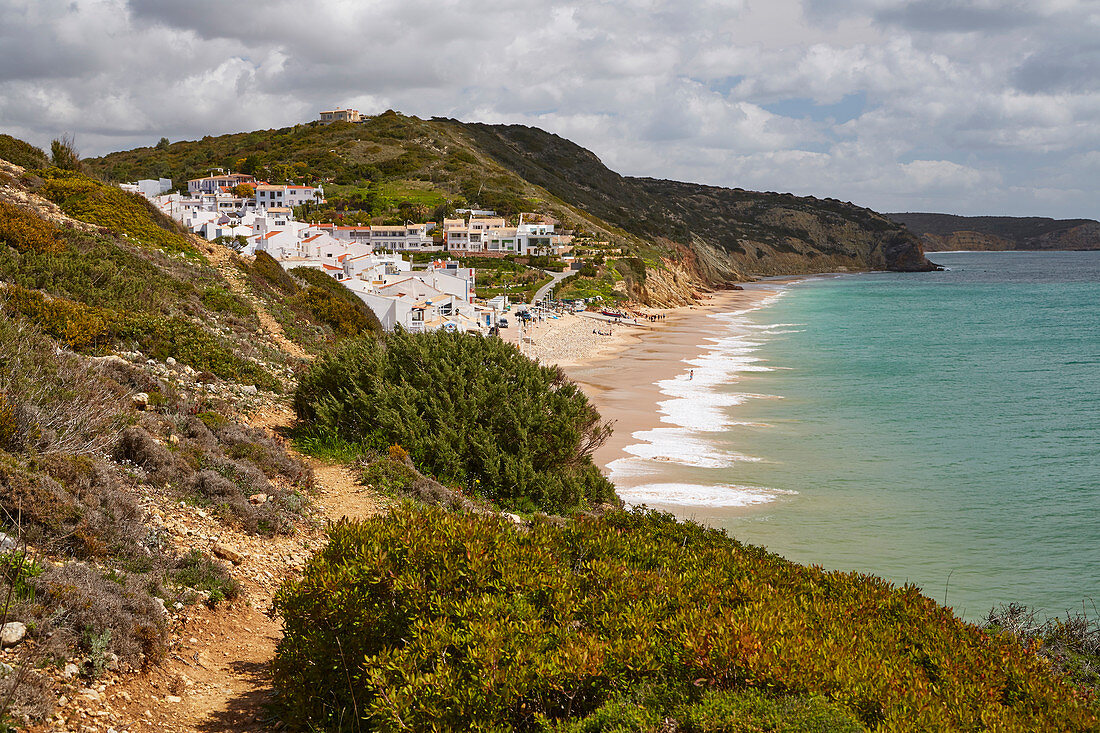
[677,445]
[715,495]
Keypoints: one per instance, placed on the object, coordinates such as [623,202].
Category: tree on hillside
[63,153]
[251,164]
[163,143]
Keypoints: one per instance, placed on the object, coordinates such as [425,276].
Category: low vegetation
[81,567]
[128,214]
[430,620]
[472,412]
[23,154]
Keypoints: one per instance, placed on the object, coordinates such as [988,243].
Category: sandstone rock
[70,671]
[173,698]
[170,361]
[257,499]
[8,543]
[225,552]
[174,439]
[140,401]
[249,389]
[12,633]
[517,520]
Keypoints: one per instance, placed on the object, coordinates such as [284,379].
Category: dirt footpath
[217,673]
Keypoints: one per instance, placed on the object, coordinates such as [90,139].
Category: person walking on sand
[691,374]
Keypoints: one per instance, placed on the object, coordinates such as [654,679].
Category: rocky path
[216,675]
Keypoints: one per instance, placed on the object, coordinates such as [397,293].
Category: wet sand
[621,377]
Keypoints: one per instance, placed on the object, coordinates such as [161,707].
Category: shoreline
[620,373]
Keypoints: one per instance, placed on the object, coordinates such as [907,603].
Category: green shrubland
[95,202]
[434,621]
[21,153]
[90,329]
[332,303]
[471,411]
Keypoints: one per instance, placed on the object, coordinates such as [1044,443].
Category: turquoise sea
[940,428]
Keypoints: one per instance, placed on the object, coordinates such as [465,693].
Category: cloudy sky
[962,106]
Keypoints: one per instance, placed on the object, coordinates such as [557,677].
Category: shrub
[113,611]
[471,411]
[25,231]
[429,620]
[85,328]
[108,206]
[343,317]
[73,505]
[22,154]
[203,573]
[268,269]
[363,318]
[16,569]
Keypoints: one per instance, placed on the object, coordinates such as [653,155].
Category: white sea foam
[677,445]
[717,495]
[698,403]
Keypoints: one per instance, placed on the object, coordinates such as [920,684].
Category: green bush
[344,318]
[471,411]
[268,269]
[431,621]
[203,573]
[14,150]
[363,319]
[25,231]
[108,206]
[89,329]
[16,569]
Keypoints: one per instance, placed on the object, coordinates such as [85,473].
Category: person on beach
[691,374]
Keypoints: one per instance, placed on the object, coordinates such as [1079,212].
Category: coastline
[621,373]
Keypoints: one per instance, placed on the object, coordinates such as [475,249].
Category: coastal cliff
[758,233]
[943,232]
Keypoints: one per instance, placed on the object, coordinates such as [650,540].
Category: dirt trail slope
[216,676]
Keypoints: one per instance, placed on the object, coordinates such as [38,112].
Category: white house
[148,187]
[268,196]
[214,184]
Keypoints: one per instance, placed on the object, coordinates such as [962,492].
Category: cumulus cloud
[969,106]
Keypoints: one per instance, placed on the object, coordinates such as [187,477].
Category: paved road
[558,277]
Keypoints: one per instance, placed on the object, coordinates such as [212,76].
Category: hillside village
[371,260]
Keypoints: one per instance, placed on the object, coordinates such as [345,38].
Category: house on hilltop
[341,115]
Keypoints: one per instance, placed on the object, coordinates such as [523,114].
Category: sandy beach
[619,372]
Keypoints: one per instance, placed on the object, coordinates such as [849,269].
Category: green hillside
[391,167]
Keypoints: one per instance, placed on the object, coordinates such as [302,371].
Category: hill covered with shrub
[632,621]
[392,167]
[130,355]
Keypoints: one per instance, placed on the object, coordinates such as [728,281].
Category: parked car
[502,322]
